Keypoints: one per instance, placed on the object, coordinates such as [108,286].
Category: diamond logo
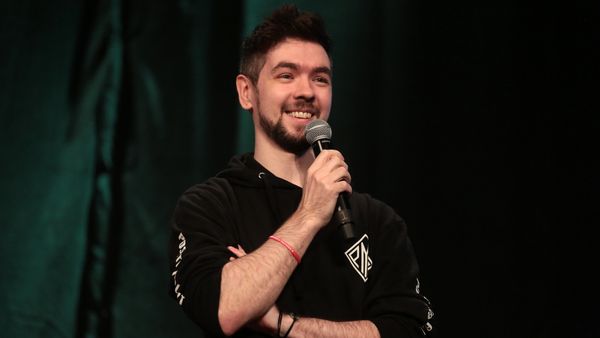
[358,255]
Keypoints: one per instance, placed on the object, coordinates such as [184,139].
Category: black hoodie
[371,278]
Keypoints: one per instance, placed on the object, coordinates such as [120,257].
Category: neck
[281,163]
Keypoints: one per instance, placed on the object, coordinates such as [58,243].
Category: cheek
[275,97]
[325,102]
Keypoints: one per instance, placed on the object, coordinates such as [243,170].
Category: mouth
[304,115]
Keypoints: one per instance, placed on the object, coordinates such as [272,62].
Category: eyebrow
[294,66]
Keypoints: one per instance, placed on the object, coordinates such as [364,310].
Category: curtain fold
[47,172]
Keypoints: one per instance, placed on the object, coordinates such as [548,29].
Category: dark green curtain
[475,121]
[47,176]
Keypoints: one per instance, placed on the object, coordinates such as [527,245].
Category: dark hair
[285,22]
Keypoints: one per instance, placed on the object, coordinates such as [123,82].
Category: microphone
[318,134]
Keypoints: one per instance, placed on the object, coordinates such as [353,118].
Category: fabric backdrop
[474,120]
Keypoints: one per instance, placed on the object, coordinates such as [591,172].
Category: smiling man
[254,250]
[292,88]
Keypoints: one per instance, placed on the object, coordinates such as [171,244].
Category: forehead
[303,53]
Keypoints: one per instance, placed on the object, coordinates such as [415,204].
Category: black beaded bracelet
[294,319]
[279,324]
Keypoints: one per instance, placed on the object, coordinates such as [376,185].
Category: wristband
[287,246]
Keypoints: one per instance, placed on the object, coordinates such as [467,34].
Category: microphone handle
[320,145]
[342,208]
[343,217]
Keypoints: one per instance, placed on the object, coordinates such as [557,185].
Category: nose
[304,90]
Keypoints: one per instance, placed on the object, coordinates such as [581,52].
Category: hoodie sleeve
[393,301]
[200,235]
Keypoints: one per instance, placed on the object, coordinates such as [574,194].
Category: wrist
[288,246]
[268,322]
[307,220]
[285,324]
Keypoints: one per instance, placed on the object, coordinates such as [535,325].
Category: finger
[344,186]
[346,178]
[333,154]
[325,160]
[336,166]
[340,174]
[235,251]
[326,156]
[241,250]
[335,158]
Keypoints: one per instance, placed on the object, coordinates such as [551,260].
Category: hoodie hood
[244,170]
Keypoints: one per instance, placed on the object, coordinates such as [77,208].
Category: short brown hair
[285,22]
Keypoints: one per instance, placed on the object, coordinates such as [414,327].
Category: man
[255,252]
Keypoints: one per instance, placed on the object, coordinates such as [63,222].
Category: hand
[326,178]
[268,322]
[238,252]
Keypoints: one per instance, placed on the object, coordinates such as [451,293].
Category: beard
[292,143]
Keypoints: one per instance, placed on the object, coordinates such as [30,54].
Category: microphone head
[317,130]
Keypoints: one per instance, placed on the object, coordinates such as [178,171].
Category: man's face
[293,88]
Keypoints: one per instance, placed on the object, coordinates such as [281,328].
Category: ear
[245,91]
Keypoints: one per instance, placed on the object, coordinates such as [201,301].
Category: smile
[300,114]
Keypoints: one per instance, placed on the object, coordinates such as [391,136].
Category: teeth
[300,114]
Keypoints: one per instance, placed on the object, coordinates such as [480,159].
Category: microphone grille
[317,130]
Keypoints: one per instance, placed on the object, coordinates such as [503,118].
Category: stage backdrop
[470,118]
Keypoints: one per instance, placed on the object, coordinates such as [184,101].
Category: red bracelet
[287,246]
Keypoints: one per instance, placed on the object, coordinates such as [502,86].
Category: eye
[285,76]
[322,79]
